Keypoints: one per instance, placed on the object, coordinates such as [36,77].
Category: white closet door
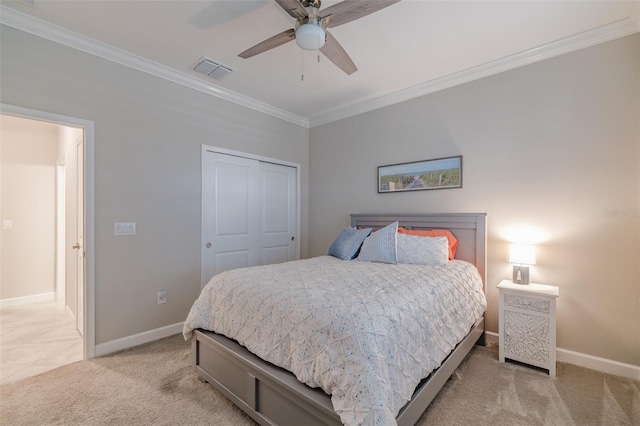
[278,213]
[249,211]
[230,213]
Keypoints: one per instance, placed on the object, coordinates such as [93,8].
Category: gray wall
[148,137]
[553,147]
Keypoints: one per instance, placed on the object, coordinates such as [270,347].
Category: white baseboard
[564,355]
[137,339]
[584,360]
[596,363]
[68,311]
[25,300]
[491,338]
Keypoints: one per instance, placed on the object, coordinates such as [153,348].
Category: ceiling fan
[311,24]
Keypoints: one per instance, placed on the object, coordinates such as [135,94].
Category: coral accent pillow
[453,241]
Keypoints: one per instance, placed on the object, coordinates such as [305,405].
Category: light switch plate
[7,224]
[124,228]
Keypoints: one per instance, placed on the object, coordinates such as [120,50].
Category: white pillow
[419,250]
[381,245]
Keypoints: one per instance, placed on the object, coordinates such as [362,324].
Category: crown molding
[36,26]
[30,24]
[569,44]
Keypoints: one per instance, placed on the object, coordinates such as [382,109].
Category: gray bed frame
[273,396]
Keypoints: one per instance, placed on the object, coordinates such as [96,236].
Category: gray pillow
[347,245]
[381,246]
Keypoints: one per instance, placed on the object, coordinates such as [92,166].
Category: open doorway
[47,279]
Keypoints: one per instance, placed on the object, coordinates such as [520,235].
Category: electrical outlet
[162,297]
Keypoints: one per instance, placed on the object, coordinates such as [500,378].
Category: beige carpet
[154,385]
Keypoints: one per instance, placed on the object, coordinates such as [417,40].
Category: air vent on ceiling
[212,69]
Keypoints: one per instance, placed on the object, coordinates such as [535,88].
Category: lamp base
[520,274]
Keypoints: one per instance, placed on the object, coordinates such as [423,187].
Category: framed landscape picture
[439,173]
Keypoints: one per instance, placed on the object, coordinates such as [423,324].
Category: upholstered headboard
[469,228]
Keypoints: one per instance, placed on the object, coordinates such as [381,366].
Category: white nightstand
[528,324]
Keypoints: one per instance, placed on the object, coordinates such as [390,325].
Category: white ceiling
[407,49]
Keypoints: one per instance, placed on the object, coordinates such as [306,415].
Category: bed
[273,396]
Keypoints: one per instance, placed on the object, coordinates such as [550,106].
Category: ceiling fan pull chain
[319,45]
[302,64]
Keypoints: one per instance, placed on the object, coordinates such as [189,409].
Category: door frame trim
[218,150]
[89,340]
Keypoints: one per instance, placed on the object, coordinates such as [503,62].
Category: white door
[80,243]
[249,213]
[278,213]
[230,216]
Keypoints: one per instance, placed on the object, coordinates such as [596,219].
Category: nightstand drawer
[526,303]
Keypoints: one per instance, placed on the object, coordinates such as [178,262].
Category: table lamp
[522,254]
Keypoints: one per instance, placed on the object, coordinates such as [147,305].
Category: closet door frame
[203,237]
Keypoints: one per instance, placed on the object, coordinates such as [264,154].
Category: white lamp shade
[523,254]
[310,36]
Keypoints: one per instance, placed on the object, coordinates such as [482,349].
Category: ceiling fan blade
[336,54]
[270,43]
[350,10]
[293,8]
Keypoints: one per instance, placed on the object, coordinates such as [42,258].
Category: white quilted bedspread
[366,333]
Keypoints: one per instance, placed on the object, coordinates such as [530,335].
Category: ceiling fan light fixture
[310,36]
